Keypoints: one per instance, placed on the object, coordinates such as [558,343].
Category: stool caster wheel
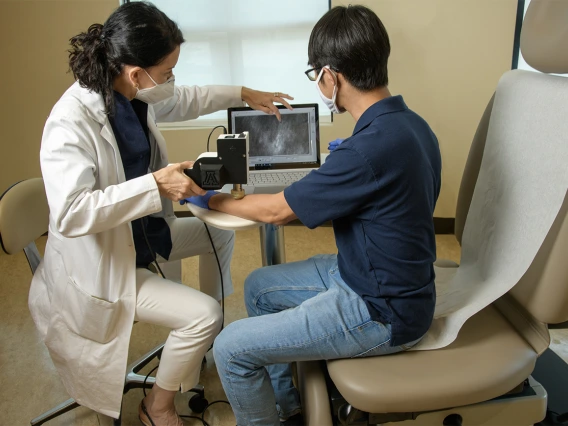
[197,403]
[453,420]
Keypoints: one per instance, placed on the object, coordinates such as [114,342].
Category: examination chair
[24,216]
[484,376]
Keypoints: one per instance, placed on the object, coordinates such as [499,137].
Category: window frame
[517,40]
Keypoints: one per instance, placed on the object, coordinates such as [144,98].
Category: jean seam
[365,324]
[273,289]
[230,360]
[372,349]
[231,374]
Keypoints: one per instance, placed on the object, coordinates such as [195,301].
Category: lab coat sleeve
[190,102]
[70,167]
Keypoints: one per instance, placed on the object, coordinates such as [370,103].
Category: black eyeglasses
[313,73]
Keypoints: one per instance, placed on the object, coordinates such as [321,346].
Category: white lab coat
[83,295]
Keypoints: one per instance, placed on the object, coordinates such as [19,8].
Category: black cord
[209,405]
[185,416]
[202,418]
[212,130]
[145,379]
[152,251]
[221,275]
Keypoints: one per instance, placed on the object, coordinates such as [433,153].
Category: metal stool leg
[63,408]
[133,380]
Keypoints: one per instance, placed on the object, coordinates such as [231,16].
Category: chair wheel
[197,403]
[453,420]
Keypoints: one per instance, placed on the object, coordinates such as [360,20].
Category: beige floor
[29,384]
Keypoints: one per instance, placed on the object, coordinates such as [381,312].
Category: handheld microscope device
[229,165]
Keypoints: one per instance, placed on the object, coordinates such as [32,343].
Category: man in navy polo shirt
[379,188]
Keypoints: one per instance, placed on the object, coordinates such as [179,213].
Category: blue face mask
[330,103]
[158,93]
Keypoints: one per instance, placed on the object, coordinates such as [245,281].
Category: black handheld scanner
[213,170]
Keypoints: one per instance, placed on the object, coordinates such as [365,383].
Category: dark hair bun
[136,33]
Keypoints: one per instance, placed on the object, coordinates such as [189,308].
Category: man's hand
[264,101]
[174,184]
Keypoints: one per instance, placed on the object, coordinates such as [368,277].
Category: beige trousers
[194,316]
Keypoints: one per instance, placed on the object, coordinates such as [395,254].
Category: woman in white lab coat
[110,191]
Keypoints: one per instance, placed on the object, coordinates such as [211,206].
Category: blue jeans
[298,312]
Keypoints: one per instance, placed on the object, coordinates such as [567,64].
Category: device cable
[212,130]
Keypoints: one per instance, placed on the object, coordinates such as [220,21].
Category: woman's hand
[174,184]
[264,101]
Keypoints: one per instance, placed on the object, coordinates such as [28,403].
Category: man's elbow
[280,218]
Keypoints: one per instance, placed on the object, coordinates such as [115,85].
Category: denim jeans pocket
[378,336]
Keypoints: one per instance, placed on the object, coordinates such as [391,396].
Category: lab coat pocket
[88,316]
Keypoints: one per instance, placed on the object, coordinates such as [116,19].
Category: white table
[271,236]
[272,247]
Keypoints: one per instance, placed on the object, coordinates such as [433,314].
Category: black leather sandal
[143,408]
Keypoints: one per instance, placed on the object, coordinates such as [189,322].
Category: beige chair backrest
[24,215]
[471,170]
[544,45]
[544,37]
[543,290]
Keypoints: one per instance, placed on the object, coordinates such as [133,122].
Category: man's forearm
[260,207]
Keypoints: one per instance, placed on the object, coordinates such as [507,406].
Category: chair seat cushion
[488,359]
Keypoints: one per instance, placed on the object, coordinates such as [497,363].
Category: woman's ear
[133,75]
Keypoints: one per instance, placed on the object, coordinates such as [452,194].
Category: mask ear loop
[332,73]
[335,81]
[155,84]
[319,76]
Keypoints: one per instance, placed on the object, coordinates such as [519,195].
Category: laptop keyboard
[279,178]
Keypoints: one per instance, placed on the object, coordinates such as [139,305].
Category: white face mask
[331,104]
[158,93]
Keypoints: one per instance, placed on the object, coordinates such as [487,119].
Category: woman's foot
[150,417]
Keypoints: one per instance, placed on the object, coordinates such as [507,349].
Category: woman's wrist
[245,94]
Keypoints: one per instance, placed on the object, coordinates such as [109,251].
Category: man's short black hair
[353,41]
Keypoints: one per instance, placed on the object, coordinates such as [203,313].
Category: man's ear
[340,79]
[328,78]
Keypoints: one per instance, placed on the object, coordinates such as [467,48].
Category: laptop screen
[291,143]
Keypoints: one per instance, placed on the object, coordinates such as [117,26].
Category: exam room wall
[447,57]
[34,38]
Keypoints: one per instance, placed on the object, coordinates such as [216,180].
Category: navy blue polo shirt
[130,127]
[379,188]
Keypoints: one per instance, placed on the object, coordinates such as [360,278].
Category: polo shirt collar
[384,106]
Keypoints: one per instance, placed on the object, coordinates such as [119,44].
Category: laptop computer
[280,152]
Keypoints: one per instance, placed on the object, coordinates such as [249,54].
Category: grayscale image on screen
[269,137]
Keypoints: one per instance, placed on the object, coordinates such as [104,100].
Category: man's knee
[225,345]
[254,284]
